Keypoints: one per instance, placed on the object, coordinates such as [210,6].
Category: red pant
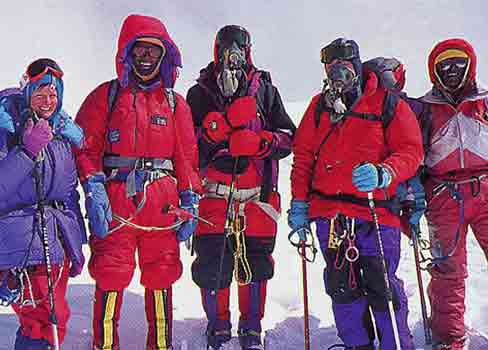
[34,320]
[112,260]
[447,287]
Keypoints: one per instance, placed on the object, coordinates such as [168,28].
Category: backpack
[389,105]
[10,97]
[387,70]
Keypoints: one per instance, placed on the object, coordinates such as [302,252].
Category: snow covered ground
[287,36]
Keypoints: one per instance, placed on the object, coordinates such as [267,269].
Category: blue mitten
[6,121]
[298,219]
[189,202]
[69,129]
[8,295]
[368,177]
[412,195]
[97,205]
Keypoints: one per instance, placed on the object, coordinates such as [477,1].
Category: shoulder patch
[114,135]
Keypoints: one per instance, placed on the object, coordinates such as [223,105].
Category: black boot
[218,333]
[250,340]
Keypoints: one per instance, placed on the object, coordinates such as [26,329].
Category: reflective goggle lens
[230,34]
[152,51]
[332,52]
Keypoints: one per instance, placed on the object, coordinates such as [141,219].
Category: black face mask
[232,57]
[452,72]
[340,78]
[231,67]
[342,87]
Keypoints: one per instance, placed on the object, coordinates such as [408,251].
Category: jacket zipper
[135,112]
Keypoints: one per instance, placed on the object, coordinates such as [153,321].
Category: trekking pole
[45,247]
[228,221]
[389,294]
[423,305]
[306,327]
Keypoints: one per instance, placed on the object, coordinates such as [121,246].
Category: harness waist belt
[138,163]
[443,184]
[393,204]
[242,196]
[222,191]
[133,164]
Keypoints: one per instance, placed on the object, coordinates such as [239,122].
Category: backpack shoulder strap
[113,91]
[389,106]
[171,96]
[319,108]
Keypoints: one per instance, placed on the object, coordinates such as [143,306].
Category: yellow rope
[240,254]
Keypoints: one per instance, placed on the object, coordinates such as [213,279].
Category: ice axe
[388,290]
[46,250]
[306,325]
[427,332]
[302,246]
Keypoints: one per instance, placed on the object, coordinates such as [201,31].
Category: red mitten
[244,143]
[242,111]
[215,128]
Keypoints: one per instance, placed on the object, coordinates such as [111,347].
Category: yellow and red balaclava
[448,49]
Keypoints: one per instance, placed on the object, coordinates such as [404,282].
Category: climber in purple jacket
[38,196]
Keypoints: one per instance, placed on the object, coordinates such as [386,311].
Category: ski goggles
[39,68]
[458,63]
[153,47]
[333,52]
[233,33]
[151,51]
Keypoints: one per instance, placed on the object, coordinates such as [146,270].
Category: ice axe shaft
[423,304]
[306,327]
[44,236]
[389,294]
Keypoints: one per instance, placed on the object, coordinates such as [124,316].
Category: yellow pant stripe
[161,327]
[108,331]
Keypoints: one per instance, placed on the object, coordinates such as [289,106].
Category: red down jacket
[131,130]
[456,151]
[327,169]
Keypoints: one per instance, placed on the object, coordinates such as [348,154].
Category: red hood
[137,26]
[459,44]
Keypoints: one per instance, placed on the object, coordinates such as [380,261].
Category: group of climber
[158,169]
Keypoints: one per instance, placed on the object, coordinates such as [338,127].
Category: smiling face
[146,58]
[44,101]
[452,72]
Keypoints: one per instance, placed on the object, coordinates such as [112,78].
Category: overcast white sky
[287,36]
